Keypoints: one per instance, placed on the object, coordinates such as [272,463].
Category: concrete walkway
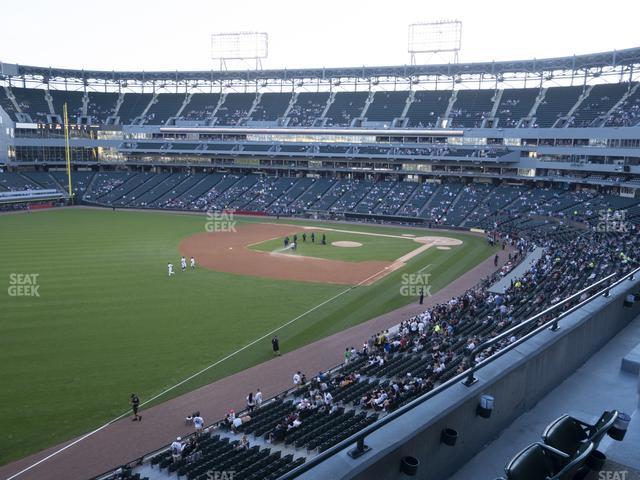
[598,385]
[505,282]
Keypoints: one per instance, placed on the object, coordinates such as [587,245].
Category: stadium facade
[571,120]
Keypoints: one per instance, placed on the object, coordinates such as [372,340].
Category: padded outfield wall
[517,380]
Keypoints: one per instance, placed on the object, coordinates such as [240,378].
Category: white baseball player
[183,264]
[192,262]
[170,269]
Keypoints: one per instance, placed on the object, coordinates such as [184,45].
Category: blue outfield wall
[517,380]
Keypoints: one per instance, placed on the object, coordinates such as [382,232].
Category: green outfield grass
[373,247]
[108,321]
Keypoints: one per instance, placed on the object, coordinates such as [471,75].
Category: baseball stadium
[426,270]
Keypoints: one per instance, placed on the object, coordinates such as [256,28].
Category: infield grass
[373,247]
[108,321]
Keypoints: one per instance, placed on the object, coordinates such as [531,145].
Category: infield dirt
[230,252]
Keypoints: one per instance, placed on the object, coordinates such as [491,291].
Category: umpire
[275,343]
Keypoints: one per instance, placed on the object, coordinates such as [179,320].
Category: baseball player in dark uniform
[135,404]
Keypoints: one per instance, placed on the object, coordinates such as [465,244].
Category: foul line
[424,268]
[164,392]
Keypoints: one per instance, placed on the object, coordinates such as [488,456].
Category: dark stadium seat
[427,107]
[386,106]
[166,105]
[133,106]
[101,106]
[308,107]
[271,106]
[471,108]
[7,105]
[345,107]
[200,107]
[592,112]
[236,107]
[74,101]
[541,462]
[557,102]
[32,102]
[567,433]
[515,104]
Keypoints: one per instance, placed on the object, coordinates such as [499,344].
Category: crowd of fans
[306,109]
[627,114]
[106,184]
[505,110]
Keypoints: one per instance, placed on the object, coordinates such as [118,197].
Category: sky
[176,35]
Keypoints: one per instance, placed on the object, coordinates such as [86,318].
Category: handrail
[359,437]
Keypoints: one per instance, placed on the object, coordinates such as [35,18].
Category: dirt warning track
[230,252]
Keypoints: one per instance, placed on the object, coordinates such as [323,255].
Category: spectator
[198,423]
[251,402]
[244,443]
[176,449]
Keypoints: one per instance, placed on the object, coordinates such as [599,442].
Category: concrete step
[631,361]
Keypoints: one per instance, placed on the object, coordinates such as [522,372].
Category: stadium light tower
[239,46]
[435,38]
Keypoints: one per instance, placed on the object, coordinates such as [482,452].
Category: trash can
[629,301]
[409,465]
[449,436]
[485,407]
[620,426]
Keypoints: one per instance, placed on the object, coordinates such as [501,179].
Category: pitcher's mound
[346,244]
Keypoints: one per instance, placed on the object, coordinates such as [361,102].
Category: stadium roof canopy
[590,63]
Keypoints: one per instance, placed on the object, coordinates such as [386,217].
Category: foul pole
[67,151]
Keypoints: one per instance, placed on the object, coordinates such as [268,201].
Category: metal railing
[359,438]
